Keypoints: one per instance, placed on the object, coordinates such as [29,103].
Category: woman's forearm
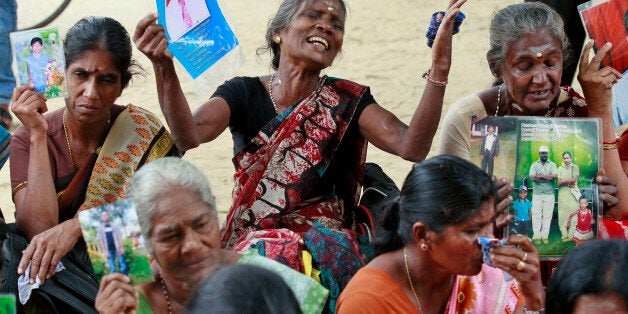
[36,206]
[422,128]
[175,108]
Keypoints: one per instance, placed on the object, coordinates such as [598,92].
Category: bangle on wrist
[433,82]
[539,311]
[611,145]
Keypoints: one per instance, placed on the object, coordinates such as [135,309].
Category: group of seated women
[299,149]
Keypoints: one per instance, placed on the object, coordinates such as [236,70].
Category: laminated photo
[39,61]
[114,241]
[552,163]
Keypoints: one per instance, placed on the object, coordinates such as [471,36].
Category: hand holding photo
[114,241]
[39,61]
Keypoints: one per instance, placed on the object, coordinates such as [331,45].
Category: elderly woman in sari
[526,55]
[178,217]
[82,155]
[429,258]
[299,137]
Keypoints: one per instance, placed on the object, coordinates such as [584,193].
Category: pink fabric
[486,292]
[186,14]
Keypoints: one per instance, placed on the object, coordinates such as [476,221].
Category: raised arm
[188,130]
[413,142]
[36,207]
[596,86]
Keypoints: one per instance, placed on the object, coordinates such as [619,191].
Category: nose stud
[330,9]
[539,55]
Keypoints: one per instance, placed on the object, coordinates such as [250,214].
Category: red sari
[280,167]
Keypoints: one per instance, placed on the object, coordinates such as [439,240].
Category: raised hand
[150,38]
[29,106]
[597,82]
[441,49]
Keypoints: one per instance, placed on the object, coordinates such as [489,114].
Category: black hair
[102,33]
[626,20]
[597,267]
[37,40]
[277,23]
[242,288]
[439,191]
[566,152]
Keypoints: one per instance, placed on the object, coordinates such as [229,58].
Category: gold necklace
[165,291]
[416,297]
[67,140]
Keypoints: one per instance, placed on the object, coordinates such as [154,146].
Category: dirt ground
[384,47]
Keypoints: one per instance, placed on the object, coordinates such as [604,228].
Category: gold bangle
[609,146]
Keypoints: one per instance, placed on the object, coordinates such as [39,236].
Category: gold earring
[277,39]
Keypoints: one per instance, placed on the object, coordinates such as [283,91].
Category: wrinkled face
[185,237]
[543,156]
[36,48]
[523,194]
[314,35]
[567,159]
[600,304]
[94,85]
[532,70]
[457,248]
[584,203]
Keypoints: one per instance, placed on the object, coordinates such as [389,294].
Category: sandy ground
[384,47]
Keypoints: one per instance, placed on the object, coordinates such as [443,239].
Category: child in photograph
[584,231]
[36,64]
[522,206]
[110,238]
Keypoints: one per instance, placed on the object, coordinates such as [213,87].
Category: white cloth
[24,288]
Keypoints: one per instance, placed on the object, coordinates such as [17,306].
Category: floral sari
[278,169]
[135,138]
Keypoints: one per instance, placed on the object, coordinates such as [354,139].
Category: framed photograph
[115,242]
[39,61]
[552,163]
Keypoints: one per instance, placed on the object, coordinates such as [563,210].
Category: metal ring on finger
[525,257]
[521,265]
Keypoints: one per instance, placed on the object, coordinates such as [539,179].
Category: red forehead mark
[96,70]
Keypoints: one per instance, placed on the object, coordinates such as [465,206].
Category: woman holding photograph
[429,259]
[568,193]
[282,205]
[178,217]
[82,155]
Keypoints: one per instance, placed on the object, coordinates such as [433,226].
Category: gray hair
[517,20]
[280,21]
[156,180]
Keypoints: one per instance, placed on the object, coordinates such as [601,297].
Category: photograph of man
[36,64]
[489,150]
[109,236]
[183,15]
[543,173]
